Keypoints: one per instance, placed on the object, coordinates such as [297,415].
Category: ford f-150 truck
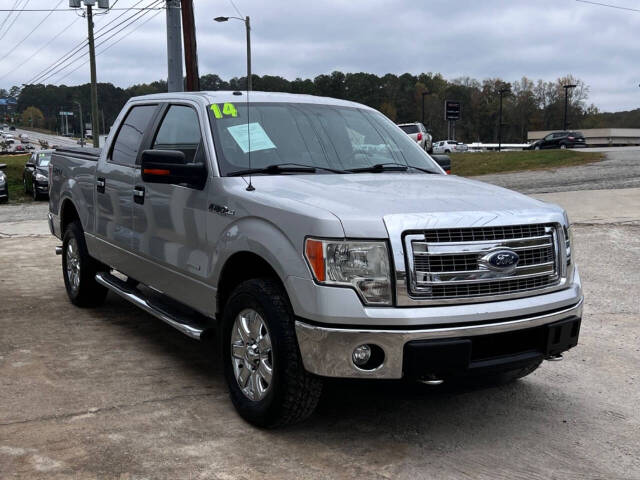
[310,238]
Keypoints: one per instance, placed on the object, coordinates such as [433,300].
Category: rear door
[170,221]
[114,187]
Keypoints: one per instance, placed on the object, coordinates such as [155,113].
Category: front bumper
[327,351]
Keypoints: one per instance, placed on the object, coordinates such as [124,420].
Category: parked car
[35,176]
[311,239]
[12,128]
[560,140]
[449,146]
[19,148]
[4,185]
[419,134]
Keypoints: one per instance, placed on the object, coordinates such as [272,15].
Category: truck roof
[254,97]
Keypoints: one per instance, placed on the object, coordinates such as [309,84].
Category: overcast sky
[293,38]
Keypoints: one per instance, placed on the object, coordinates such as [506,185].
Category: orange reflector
[448,172]
[156,171]
[315,255]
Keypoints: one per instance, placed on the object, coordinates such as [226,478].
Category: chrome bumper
[327,351]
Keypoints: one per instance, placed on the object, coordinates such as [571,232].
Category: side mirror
[30,165]
[169,167]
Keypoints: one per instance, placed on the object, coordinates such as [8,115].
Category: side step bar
[177,321]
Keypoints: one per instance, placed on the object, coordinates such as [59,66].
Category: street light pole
[424,94]
[247,25]
[502,91]
[566,104]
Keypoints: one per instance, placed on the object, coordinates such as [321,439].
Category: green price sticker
[227,110]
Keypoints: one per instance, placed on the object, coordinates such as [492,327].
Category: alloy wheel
[251,354]
[73,265]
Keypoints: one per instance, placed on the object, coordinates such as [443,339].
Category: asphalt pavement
[619,169]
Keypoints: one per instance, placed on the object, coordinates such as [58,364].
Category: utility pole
[190,46]
[94,85]
[175,81]
[502,91]
[81,124]
[424,94]
[247,24]
[566,104]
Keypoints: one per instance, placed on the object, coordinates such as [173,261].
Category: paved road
[113,393]
[51,139]
[620,169]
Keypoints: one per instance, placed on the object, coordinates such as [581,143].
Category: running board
[180,322]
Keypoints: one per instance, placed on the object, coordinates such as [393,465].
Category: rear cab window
[126,145]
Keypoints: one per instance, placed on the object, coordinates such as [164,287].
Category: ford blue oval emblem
[504,261]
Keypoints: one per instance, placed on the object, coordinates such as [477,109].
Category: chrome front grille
[447,263]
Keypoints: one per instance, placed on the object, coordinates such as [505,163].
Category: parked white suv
[418,134]
[449,146]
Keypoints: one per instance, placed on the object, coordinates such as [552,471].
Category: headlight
[362,265]
[40,178]
[2,179]
[568,240]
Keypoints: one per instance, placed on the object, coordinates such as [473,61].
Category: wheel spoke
[238,350]
[256,386]
[243,330]
[265,371]
[255,325]
[243,376]
[264,343]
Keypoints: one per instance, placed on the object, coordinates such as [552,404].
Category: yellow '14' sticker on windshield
[227,110]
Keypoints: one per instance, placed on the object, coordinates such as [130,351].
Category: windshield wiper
[424,170]
[381,167]
[277,168]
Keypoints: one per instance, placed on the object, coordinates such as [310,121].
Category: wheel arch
[68,213]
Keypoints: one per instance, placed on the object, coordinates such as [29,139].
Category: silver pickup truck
[311,238]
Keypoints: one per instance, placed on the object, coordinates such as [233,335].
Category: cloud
[493,38]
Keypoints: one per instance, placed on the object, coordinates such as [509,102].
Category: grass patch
[482,163]
[15,167]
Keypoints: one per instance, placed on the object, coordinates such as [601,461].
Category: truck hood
[363,202]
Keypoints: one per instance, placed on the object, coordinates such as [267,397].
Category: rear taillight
[571,138]
[419,136]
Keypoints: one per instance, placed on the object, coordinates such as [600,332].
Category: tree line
[529,105]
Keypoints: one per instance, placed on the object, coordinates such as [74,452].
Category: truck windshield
[314,135]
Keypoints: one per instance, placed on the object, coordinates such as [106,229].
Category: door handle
[138,194]
[100,184]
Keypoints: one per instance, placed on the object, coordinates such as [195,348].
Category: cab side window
[127,144]
[180,130]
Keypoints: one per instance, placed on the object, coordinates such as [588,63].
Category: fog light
[361,355]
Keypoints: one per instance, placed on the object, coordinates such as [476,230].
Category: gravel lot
[620,169]
[114,393]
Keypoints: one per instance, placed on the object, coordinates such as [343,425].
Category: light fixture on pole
[247,24]
[565,125]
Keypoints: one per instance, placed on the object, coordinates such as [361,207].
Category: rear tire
[563,147]
[34,192]
[287,393]
[537,148]
[79,269]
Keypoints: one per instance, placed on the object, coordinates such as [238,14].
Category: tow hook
[59,250]
[431,380]
[555,358]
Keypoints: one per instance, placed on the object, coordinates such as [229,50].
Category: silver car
[418,134]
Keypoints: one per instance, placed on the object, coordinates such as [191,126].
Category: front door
[170,221]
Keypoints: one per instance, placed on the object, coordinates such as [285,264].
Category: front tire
[79,269]
[34,192]
[268,384]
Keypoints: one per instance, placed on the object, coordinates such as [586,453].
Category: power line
[70,9]
[107,48]
[618,7]
[9,15]
[29,34]
[54,67]
[236,8]
[140,14]
[64,30]
[15,17]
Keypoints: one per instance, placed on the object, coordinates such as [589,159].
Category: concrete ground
[114,393]
[619,169]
